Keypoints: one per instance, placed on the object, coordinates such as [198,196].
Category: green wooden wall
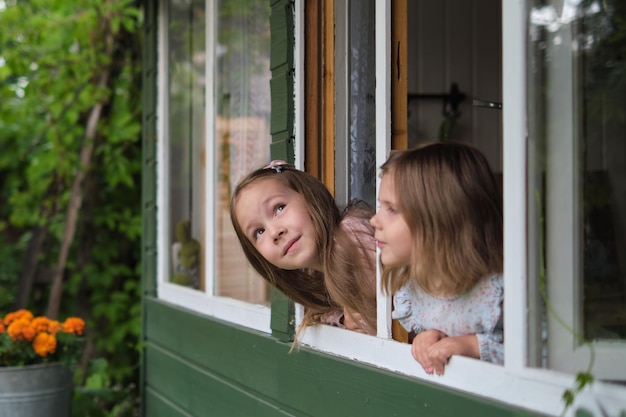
[193,365]
[282,129]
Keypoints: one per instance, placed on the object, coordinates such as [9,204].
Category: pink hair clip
[276,165]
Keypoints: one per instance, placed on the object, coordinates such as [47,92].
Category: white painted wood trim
[514,181]
[383,136]
[299,84]
[162,143]
[254,316]
[299,55]
[209,180]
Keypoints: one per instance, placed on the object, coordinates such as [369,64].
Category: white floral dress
[478,311]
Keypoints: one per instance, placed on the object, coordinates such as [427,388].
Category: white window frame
[255,316]
[515,383]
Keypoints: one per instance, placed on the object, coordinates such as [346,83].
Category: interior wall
[456,41]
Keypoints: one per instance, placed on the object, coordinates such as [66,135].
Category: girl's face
[393,235]
[275,219]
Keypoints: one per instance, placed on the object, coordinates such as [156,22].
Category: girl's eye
[257,233]
[279,208]
[391,209]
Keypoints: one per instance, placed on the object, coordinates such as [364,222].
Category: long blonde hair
[449,198]
[318,292]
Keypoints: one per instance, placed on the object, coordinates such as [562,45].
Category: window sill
[254,316]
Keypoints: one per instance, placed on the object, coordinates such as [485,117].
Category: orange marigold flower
[54,326]
[21,330]
[2,328]
[40,324]
[74,325]
[44,344]
[18,315]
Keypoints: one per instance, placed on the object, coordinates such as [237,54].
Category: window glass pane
[604,170]
[362,105]
[185,168]
[577,180]
[242,134]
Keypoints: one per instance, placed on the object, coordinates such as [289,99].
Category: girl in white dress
[439,231]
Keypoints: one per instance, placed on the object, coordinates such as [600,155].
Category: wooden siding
[282,67]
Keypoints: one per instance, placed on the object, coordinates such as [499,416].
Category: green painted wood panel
[188,356]
[148,180]
[282,35]
[282,117]
[149,140]
[282,149]
[282,128]
[200,392]
[156,405]
[283,314]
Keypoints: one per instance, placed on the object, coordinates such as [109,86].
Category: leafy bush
[70,172]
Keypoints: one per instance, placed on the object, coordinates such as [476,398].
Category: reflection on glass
[601,43]
[186,46]
[241,138]
[577,158]
[242,132]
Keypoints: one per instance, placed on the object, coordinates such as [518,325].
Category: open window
[342,46]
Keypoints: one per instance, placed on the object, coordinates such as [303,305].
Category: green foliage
[99,397]
[583,379]
[9,270]
[53,54]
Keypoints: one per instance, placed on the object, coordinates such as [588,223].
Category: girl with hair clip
[296,238]
[439,230]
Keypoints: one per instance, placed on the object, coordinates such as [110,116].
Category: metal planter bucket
[35,390]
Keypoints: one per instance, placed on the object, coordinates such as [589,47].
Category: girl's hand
[439,353]
[421,346]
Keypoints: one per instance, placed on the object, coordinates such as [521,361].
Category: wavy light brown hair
[319,293]
[351,264]
[452,205]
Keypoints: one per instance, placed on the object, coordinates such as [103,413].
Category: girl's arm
[484,346]
[433,349]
